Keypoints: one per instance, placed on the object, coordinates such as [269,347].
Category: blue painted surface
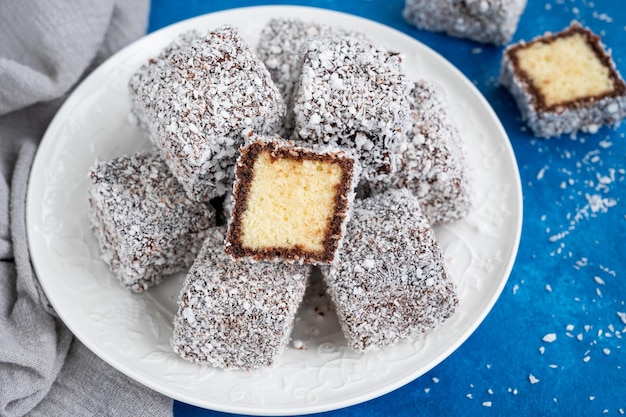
[570,274]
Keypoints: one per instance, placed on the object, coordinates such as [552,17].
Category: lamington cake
[392,282]
[145,225]
[564,82]
[290,202]
[352,94]
[199,100]
[488,21]
[236,314]
[150,71]
[279,47]
[431,159]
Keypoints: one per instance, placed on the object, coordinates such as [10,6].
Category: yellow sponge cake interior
[289,202]
[565,69]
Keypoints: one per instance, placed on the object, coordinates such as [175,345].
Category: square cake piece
[352,94]
[488,21]
[202,94]
[136,85]
[236,315]
[279,47]
[146,226]
[564,82]
[392,282]
[290,202]
[431,159]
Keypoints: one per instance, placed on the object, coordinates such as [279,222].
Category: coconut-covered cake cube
[564,82]
[161,62]
[353,94]
[145,224]
[236,314]
[431,159]
[392,282]
[197,98]
[290,202]
[490,21]
[279,47]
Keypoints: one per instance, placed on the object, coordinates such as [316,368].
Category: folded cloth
[46,49]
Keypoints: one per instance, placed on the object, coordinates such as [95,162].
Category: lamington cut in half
[290,202]
[145,224]
[199,97]
[352,94]
[564,82]
[431,159]
[236,315]
[392,282]
[488,21]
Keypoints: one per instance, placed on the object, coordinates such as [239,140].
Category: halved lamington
[236,314]
[564,82]
[352,94]
[490,21]
[431,159]
[290,202]
[392,282]
[196,104]
[145,224]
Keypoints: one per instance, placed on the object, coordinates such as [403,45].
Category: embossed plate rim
[63,271]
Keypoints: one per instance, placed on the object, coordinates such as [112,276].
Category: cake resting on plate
[392,282]
[236,314]
[146,226]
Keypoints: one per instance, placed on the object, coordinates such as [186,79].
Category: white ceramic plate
[132,332]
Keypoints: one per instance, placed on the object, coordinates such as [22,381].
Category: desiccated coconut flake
[549,338]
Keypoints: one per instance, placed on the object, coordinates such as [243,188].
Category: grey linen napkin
[46,48]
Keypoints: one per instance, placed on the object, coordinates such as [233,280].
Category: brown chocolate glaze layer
[244,177]
[619,88]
